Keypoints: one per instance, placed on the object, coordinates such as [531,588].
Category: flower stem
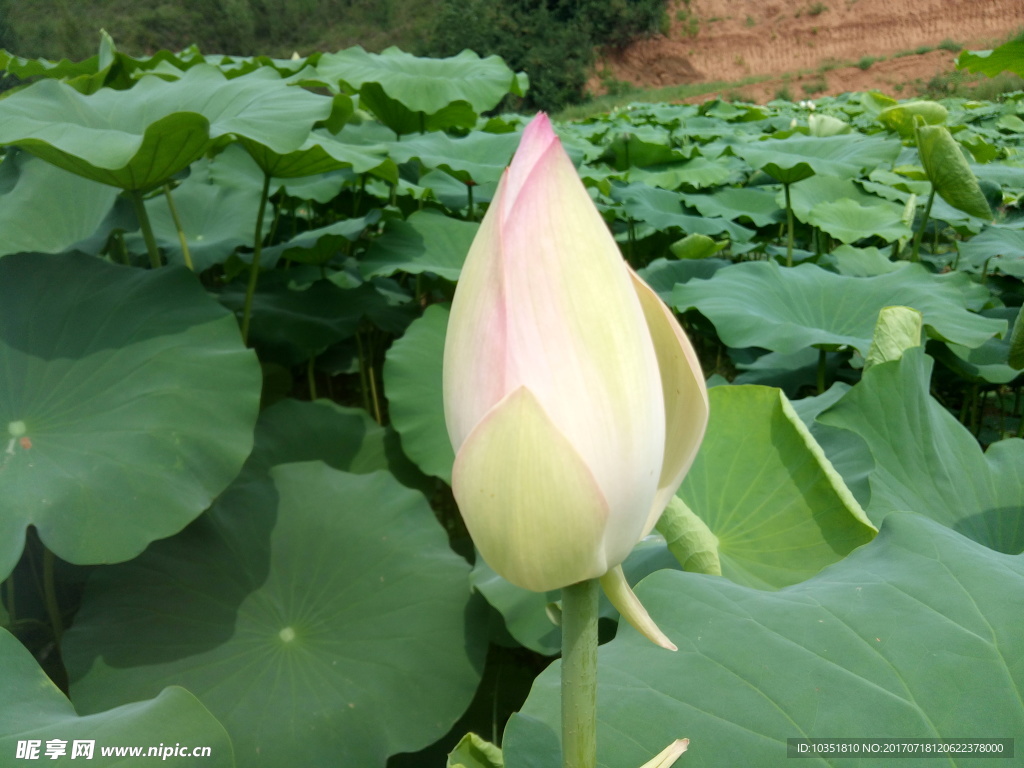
[254,271]
[915,252]
[9,601]
[146,227]
[185,254]
[579,675]
[789,227]
[50,592]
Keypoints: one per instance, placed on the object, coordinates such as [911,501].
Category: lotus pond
[225,507]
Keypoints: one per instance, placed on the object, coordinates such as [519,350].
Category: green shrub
[553,40]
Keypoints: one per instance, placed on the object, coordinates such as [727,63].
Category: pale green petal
[529,501]
[475,351]
[668,756]
[617,590]
[686,396]
[578,340]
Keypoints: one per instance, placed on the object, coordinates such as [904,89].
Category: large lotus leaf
[823,188]
[996,248]
[859,262]
[479,158]
[345,438]
[1007,57]
[991,362]
[321,152]
[663,210]
[760,304]
[698,173]
[32,709]
[1010,123]
[35,214]
[928,462]
[916,635]
[791,372]
[797,157]
[663,274]
[396,86]
[845,450]
[129,401]
[757,204]
[319,614]
[441,186]
[639,146]
[412,384]
[25,69]
[426,242]
[848,221]
[764,487]
[138,139]
[215,220]
[320,245]
[235,167]
[292,322]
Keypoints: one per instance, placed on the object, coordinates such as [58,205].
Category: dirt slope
[728,40]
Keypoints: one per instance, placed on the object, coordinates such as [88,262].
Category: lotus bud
[574,402]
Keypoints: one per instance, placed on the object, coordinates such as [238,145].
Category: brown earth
[809,48]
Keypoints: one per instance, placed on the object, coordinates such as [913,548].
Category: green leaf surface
[831,189]
[426,242]
[949,172]
[34,210]
[479,158]
[734,203]
[396,86]
[897,330]
[641,146]
[134,398]
[1008,57]
[663,210]
[698,173]
[292,321]
[214,219]
[412,383]
[928,462]
[915,635]
[319,614]
[798,157]
[138,139]
[765,489]
[321,245]
[997,248]
[1015,355]
[33,709]
[990,363]
[849,221]
[760,304]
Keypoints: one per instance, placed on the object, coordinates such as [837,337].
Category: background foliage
[553,41]
[224,478]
